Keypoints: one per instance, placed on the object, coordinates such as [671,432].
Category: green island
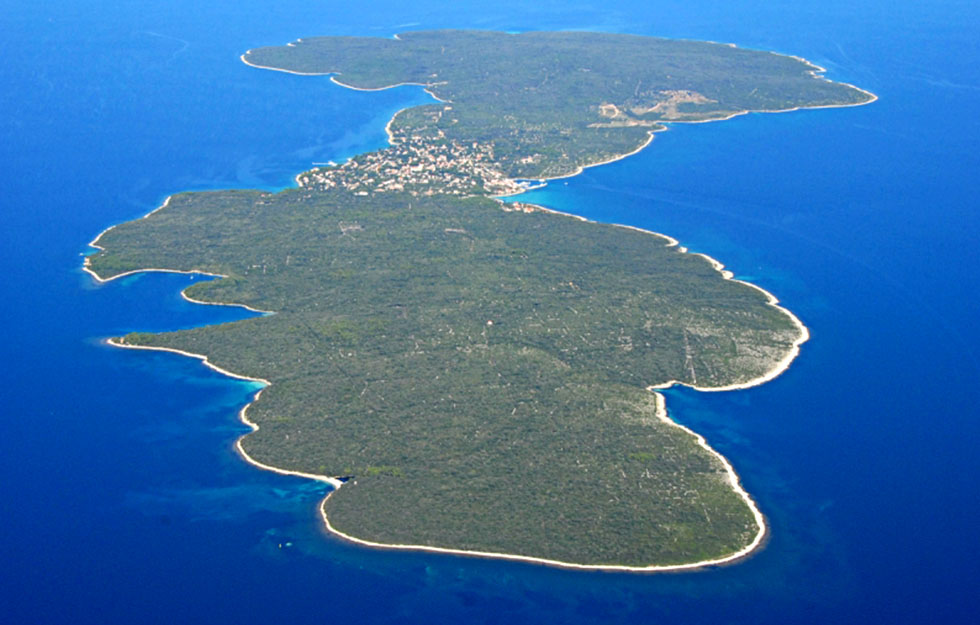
[479,372]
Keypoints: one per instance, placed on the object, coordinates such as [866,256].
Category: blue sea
[122,500]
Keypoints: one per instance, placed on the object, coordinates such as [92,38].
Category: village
[418,166]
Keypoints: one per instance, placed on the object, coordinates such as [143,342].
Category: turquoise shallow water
[122,499]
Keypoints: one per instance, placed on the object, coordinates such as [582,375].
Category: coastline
[771,300]
[336,483]
[733,478]
[803,332]
[87,268]
[734,481]
[333,78]
[816,71]
[242,416]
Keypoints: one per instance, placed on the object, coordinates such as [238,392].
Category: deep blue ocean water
[122,501]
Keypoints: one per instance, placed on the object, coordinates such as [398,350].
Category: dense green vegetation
[478,370]
[537,97]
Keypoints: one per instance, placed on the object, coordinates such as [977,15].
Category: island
[476,375]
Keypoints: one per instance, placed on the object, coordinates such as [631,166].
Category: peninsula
[479,374]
